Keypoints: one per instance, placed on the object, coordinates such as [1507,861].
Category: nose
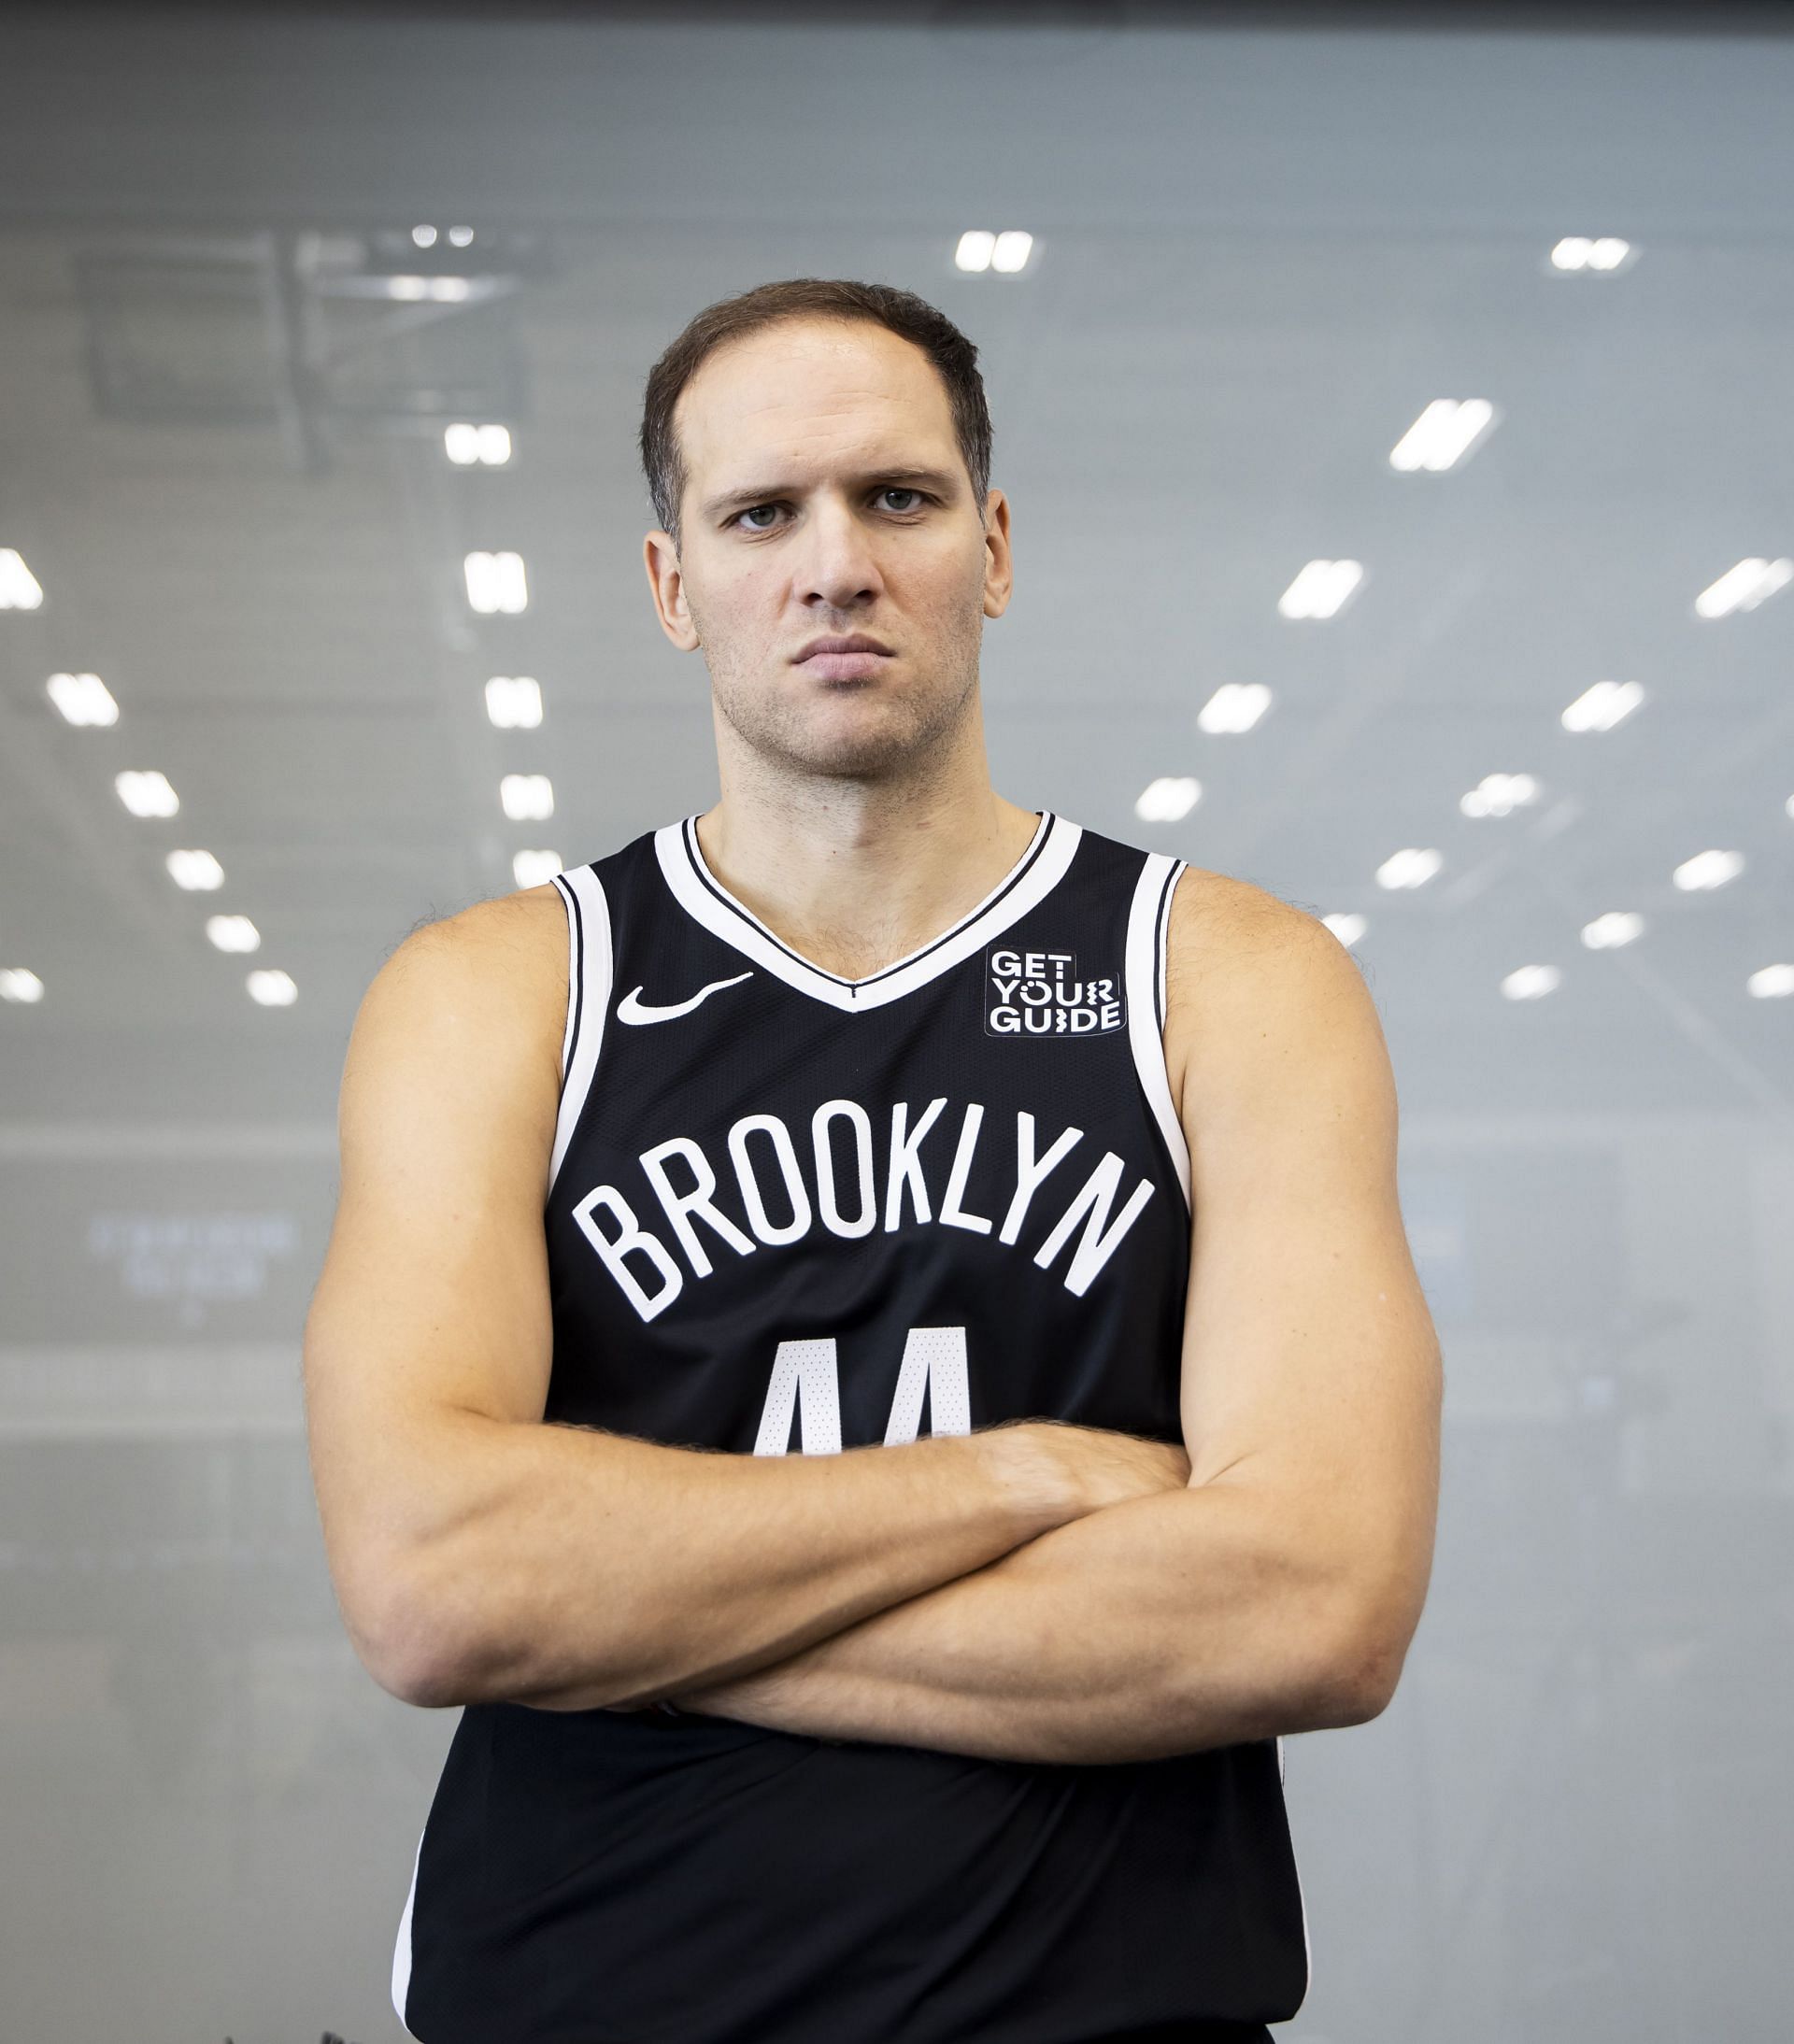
[838,565]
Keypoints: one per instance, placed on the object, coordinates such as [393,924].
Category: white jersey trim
[1301,1900]
[699,892]
[588,975]
[1148,919]
[402,1948]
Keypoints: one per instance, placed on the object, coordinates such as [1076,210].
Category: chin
[853,736]
[870,760]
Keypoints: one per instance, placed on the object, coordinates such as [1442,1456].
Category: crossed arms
[1024,1593]
[1155,1626]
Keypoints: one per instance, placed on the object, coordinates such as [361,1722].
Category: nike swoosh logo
[632,1008]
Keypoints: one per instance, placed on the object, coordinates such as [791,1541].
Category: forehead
[800,390]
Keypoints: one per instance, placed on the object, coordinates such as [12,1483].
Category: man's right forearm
[568,1568]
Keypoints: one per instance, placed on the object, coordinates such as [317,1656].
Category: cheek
[738,613]
[939,589]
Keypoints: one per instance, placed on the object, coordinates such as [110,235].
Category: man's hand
[1106,1468]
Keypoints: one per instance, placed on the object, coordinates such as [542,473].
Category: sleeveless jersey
[789,1211]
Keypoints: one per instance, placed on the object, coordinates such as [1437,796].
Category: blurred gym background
[1393,404]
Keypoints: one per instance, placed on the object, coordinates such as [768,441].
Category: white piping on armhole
[589,977]
[1144,968]
[402,1948]
[1301,1900]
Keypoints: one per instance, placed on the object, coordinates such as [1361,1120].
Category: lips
[844,666]
[856,642]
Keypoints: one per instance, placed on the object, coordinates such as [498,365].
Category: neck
[856,875]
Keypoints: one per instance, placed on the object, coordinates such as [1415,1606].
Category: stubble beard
[793,738]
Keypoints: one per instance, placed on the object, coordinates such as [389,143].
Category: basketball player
[868,1343]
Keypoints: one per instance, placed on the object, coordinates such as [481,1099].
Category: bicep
[1310,1363]
[433,1295]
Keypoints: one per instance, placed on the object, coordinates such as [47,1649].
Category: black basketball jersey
[789,1211]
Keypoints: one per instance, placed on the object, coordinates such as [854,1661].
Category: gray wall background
[1261,249]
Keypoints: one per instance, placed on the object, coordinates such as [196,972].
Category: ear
[666,586]
[999,570]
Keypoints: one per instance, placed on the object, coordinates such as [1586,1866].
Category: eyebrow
[763,492]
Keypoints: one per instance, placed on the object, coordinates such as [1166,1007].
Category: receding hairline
[893,471]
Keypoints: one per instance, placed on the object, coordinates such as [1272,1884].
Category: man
[877,1539]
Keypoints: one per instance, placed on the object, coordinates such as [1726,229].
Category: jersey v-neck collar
[704,897]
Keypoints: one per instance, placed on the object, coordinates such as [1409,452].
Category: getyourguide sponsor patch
[1042,993]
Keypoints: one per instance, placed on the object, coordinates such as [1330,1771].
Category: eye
[890,489]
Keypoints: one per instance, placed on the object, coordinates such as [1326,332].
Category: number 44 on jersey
[805,1376]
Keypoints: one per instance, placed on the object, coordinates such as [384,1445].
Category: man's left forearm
[1162,1626]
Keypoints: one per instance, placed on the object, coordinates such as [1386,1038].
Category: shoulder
[517,923]
[1218,921]
[1251,979]
[491,974]
[521,933]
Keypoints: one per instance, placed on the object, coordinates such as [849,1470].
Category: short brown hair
[954,357]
